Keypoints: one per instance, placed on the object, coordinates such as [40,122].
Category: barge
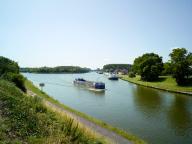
[90,85]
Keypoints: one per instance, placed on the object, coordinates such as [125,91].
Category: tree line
[150,66]
[58,69]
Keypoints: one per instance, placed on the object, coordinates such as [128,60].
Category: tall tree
[167,68]
[149,66]
[181,61]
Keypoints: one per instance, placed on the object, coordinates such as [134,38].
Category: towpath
[114,137]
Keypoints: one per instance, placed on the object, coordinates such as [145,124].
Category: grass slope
[130,137]
[164,83]
[25,119]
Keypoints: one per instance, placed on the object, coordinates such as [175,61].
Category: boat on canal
[113,77]
[100,72]
[90,85]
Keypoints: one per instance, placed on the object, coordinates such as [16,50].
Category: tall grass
[25,119]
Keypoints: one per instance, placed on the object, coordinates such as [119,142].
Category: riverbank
[166,83]
[115,131]
[26,119]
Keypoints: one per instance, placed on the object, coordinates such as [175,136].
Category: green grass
[26,119]
[129,136]
[164,83]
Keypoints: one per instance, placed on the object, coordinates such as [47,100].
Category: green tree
[167,68]
[181,61]
[149,66]
[58,69]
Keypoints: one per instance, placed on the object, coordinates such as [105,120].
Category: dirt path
[98,129]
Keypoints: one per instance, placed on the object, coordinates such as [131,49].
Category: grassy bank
[26,119]
[130,137]
[164,83]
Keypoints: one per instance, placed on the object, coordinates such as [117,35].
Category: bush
[7,65]
[17,79]
[132,74]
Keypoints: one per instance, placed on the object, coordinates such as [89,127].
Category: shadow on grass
[188,83]
[160,79]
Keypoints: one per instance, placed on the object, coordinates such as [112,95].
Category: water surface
[156,116]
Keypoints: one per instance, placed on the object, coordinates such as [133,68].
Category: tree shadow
[160,79]
[188,83]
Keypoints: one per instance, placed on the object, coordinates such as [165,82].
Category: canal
[156,116]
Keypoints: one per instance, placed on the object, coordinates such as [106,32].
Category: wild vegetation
[58,69]
[25,119]
[131,74]
[9,70]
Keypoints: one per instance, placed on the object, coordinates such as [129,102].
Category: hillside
[25,119]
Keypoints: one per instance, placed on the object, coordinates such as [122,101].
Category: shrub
[17,79]
[132,74]
[7,65]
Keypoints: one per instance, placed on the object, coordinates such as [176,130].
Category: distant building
[123,72]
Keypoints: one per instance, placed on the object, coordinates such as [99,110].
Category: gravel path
[114,137]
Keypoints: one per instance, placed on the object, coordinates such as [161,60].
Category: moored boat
[100,72]
[113,77]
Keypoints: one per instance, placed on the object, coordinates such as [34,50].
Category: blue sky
[92,33]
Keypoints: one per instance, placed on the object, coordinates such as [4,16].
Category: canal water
[156,116]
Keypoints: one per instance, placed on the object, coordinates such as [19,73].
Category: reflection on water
[92,92]
[147,100]
[179,115]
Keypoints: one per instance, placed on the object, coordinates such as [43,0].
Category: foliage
[17,79]
[132,74]
[7,65]
[9,70]
[26,120]
[59,69]
[113,67]
[181,61]
[149,66]
[167,68]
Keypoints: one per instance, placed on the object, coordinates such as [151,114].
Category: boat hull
[113,78]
